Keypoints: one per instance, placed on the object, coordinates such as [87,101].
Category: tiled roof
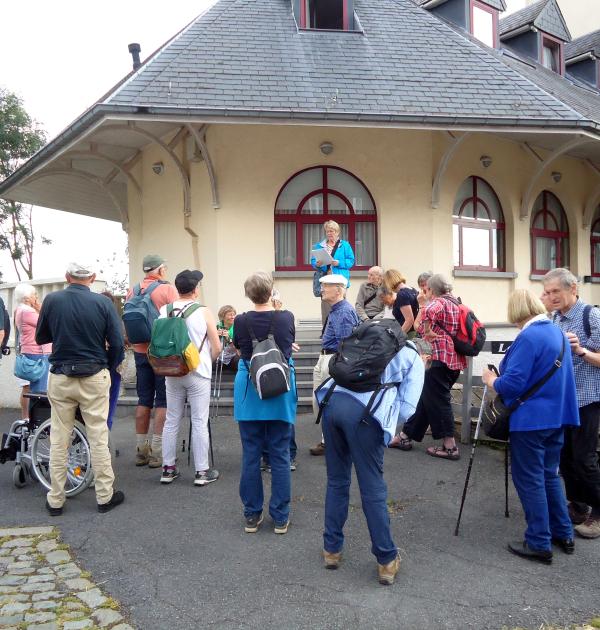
[583,44]
[544,15]
[243,55]
[497,4]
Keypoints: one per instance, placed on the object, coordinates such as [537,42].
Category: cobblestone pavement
[42,588]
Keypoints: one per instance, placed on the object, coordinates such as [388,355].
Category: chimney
[135,50]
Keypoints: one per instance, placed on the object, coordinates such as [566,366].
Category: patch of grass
[595,622]
[111,603]
[4,539]
[62,547]
[86,575]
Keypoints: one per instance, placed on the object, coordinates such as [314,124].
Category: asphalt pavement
[177,557]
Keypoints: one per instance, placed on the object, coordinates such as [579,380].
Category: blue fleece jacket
[527,360]
[344,255]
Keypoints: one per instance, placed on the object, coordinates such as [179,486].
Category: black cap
[186,281]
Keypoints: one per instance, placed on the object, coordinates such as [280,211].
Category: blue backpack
[139,313]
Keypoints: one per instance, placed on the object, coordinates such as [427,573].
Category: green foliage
[20,138]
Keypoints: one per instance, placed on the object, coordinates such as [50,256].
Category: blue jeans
[113,396]
[293,447]
[352,441]
[276,434]
[41,385]
[535,456]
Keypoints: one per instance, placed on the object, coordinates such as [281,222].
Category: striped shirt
[587,377]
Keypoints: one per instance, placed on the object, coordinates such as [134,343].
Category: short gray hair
[377,270]
[439,285]
[424,277]
[23,291]
[566,278]
[258,287]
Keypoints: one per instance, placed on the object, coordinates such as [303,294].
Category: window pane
[596,269]
[314,205]
[464,192]
[596,226]
[352,189]
[498,249]
[337,205]
[483,213]
[564,252]
[297,188]
[556,210]
[486,193]
[285,244]
[467,211]
[456,245]
[545,253]
[476,247]
[538,221]
[550,57]
[312,233]
[483,26]
[364,249]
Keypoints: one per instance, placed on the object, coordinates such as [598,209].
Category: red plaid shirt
[444,312]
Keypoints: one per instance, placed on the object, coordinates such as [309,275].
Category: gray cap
[152,261]
[79,270]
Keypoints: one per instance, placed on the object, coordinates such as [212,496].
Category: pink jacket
[26,318]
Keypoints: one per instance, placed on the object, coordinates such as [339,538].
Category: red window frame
[492,226]
[556,44]
[303,219]
[487,9]
[304,17]
[594,240]
[557,235]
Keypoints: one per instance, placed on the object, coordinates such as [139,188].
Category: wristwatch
[582,354]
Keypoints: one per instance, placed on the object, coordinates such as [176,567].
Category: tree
[20,138]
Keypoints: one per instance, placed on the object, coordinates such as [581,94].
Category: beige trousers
[90,393]
[320,373]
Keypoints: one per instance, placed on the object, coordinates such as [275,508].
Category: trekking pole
[506,514]
[187,406]
[215,399]
[475,438]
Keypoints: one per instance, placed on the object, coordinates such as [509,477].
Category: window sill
[537,276]
[498,275]
[309,274]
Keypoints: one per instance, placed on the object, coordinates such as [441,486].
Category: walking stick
[215,399]
[475,438]
[187,406]
[506,480]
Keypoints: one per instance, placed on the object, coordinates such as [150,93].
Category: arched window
[595,244]
[549,234]
[478,227]
[313,196]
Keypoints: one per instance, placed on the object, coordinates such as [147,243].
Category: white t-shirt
[196,325]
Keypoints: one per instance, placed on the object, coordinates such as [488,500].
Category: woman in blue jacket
[537,425]
[340,251]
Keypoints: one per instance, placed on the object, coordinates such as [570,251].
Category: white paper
[322,257]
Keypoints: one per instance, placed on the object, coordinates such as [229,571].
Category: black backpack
[363,357]
[5,318]
[269,370]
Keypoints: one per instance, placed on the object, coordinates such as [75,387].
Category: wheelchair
[27,443]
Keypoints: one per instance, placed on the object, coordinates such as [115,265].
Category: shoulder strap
[189,309]
[271,332]
[586,320]
[326,398]
[137,289]
[150,288]
[250,330]
[371,298]
[532,390]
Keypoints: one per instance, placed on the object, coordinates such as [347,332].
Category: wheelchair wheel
[79,462]
[19,476]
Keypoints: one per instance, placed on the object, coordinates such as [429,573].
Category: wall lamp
[556,176]
[158,168]
[486,161]
[326,148]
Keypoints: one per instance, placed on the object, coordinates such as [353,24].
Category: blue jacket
[392,405]
[527,360]
[343,254]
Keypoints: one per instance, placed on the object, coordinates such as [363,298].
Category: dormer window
[484,23]
[551,53]
[329,15]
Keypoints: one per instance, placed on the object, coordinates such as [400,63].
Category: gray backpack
[269,370]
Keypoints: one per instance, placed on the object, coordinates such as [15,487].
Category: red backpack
[470,336]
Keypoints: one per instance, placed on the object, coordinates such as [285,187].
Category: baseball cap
[152,261]
[79,270]
[186,281]
[334,278]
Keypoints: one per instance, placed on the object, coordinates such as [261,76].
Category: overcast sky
[60,57]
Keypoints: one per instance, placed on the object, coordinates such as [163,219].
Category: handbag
[27,369]
[319,274]
[495,419]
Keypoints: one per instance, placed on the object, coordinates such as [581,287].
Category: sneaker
[589,529]
[206,477]
[253,523]
[117,498]
[292,464]
[54,511]
[387,572]
[281,528]
[142,455]
[319,449]
[169,475]
[577,517]
[332,560]
[155,459]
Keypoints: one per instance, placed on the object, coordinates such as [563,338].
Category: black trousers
[434,408]
[579,460]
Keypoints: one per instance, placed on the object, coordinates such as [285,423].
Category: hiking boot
[281,527]
[387,572]
[577,516]
[142,455]
[54,511]
[319,449]
[589,529]
[117,498]
[523,550]
[332,560]
[206,477]
[155,459]
[253,523]
[169,474]
[566,544]
[292,464]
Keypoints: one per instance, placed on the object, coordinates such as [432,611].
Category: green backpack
[171,351]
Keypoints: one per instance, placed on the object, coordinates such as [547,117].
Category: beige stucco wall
[253,161]
[581,16]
